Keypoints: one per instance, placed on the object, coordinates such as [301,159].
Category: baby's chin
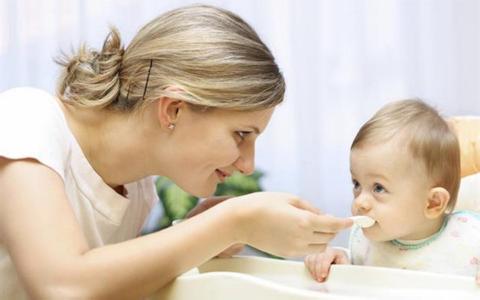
[376,234]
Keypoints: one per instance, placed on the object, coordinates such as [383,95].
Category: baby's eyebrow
[371,175]
[377,175]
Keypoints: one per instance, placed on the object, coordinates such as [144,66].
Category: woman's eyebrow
[257,131]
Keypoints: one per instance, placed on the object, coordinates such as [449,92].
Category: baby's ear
[437,202]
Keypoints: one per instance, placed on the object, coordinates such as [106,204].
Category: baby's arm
[319,264]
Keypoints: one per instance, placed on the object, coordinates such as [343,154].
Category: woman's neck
[112,142]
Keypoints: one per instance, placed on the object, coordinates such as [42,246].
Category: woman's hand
[203,206]
[319,264]
[283,224]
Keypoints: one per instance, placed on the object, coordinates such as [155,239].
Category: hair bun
[91,78]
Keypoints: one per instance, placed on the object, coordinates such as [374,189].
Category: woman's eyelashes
[243,134]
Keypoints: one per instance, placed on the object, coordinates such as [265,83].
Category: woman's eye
[243,134]
[378,188]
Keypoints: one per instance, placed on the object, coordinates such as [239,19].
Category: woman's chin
[203,192]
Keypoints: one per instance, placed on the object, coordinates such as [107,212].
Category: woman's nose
[246,162]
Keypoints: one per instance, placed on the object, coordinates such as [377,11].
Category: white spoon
[362,221]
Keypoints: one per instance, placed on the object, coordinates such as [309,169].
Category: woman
[186,99]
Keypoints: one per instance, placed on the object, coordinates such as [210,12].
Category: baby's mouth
[363,221]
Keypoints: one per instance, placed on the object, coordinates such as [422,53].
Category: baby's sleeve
[32,126]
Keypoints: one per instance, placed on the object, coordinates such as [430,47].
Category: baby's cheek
[397,229]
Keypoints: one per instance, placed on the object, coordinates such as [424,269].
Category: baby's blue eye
[356,185]
[378,188]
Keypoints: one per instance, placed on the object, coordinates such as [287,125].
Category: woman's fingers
[300,227]
[305,205]
[315,248]
[321,238]
[330,224]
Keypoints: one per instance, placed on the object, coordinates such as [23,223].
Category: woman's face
[206,147]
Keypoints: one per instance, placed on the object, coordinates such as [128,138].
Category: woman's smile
[221,175]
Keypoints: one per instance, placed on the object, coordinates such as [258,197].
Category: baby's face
[391,187]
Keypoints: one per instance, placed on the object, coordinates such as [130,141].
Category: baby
[405,167]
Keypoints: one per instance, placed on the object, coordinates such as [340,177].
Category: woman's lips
[221,175]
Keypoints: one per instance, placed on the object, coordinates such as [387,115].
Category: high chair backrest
[468,132]
[469,193]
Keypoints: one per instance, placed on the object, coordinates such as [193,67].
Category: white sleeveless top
[32,125]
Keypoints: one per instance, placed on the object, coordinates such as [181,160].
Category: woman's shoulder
[32,125]
[21,96]
[29,104]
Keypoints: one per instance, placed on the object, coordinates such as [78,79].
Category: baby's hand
[319,264]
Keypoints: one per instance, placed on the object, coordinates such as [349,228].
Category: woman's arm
[53,259]
[468,133]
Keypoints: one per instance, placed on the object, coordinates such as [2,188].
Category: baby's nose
[362,203]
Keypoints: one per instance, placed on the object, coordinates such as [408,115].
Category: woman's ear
[168,111]
[437,202]
[169,108]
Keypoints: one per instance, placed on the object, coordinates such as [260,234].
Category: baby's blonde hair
[210,56]
[429,137]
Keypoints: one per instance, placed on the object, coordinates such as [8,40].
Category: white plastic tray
[256,278]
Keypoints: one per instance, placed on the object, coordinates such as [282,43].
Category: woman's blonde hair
[429,139]
[209,57]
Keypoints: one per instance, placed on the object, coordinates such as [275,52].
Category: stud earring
[171,126]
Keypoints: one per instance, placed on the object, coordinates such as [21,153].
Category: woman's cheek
[231,154]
